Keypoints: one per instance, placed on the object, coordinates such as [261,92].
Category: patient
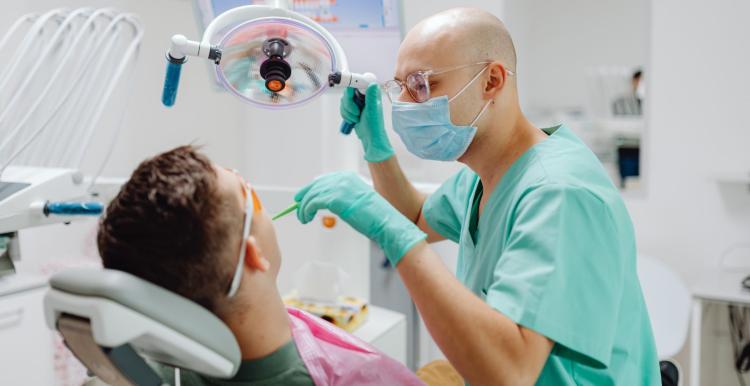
[179,223]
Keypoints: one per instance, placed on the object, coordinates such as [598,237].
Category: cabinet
[26,344]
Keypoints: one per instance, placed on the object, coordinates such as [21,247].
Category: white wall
[556,41]
[200,114]
[698,126]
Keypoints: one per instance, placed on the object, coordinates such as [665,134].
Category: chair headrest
[161,306]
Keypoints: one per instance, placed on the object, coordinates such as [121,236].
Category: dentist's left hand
[349,197]
[369,124]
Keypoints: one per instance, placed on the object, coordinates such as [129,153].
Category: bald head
[478,59]
[454,37]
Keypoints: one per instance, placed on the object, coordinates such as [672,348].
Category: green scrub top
[281,367]
[554,250]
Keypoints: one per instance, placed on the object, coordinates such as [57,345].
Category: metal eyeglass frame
[425,75]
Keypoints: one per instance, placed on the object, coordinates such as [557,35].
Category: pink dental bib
[335,358]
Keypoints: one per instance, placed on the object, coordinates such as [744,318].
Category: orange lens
[257,206]
[329,221]
[275,85]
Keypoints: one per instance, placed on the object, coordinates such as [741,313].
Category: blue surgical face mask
[427,130]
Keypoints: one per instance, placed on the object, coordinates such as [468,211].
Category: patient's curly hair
[170,225]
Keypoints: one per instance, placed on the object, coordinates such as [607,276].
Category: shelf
[723,287]
[732,177]
[379,322]
[386,331]
[19,282]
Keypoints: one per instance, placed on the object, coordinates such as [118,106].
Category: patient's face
[262,226]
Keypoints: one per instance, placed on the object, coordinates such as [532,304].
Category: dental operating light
[268,56]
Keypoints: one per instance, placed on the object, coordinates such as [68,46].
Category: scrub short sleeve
[446,209]
[560,272]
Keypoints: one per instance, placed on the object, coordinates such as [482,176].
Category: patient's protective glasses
[417,83]
[252,205]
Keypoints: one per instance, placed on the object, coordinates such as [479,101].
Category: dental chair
[114,322]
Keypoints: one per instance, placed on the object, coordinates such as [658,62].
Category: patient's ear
[254,258]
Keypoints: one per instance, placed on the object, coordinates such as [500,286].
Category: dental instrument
[49,114]
[289,209]
[269,56]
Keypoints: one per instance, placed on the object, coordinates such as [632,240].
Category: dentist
[546,290]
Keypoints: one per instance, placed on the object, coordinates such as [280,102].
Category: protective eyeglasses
[417,83]
[252,205]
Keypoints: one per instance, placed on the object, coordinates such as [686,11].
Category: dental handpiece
[73,208]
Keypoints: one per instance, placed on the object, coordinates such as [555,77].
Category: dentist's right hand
[368,123]
[349,197]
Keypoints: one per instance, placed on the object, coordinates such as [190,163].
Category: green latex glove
[368,123]
[349,197]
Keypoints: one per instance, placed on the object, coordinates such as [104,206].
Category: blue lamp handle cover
[359,100]
[177,54]
[172,80]
[357,81]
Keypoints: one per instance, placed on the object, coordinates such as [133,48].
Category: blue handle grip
[359,100]
[346,127]
[171,80]
[74,208]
